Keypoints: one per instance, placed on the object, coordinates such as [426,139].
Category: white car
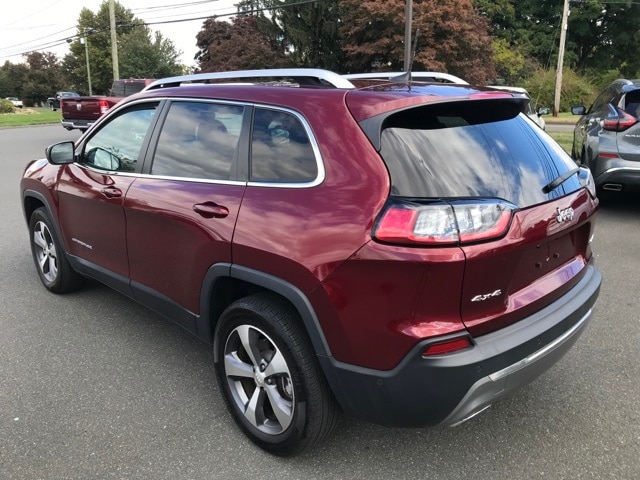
[16,103]
[535,115]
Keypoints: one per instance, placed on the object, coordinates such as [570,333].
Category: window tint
[602,100]
[632,103]
[441,154]
[280,149]
[198,140]
[116,146]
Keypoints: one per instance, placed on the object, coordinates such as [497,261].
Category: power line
[62,41]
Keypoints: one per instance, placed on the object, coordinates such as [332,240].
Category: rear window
[124,88]
[472,149]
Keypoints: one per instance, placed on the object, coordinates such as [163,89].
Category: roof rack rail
[302,76]
[439,77]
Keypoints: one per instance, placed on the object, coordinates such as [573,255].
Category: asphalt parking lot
[93,386]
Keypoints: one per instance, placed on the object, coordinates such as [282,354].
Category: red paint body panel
[535,263]
[318,227]
[170,245]
[385,299]
[92,221]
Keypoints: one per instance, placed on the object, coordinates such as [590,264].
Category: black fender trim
[269,282]
[54,219]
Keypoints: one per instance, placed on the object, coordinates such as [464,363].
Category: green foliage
[6,106]
[140,54]
[576,89]
[509,61]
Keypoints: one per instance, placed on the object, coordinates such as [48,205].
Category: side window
[280,149]
[198,140]
[602,100]
[632,103]
[116,146]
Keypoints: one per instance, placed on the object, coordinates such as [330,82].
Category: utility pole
[563,39]
[86,53]
[408,13]
[114,42]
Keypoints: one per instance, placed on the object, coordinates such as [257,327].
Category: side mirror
[578,109]
[61,153]
[543,111]
[100,158]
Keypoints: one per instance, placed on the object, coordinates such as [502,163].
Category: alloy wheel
[259,379]
[45,251]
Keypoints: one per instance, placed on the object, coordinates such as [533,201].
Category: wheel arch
[225,283]
[31,201]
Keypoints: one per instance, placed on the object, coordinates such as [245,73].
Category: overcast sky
[40,24]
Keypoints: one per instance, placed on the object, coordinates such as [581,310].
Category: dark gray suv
[607,137]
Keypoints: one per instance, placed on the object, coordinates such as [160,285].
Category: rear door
[182,211]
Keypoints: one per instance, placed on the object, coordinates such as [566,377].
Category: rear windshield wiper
[560,180]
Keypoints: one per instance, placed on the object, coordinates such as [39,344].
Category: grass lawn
[564,139]
[29,116]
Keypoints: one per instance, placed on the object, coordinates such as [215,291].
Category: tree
[454,37]
[140,54]
[600,34]
[34,80]
[237,45]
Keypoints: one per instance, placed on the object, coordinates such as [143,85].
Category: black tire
[281,371]
[51,262]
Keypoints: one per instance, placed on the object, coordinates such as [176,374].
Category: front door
[92,192]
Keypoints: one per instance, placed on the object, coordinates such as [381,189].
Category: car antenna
[405,78]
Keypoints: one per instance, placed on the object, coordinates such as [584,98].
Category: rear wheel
[52,265]
[269,378]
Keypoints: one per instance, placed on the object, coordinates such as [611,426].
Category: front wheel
[269,377]
[53,267]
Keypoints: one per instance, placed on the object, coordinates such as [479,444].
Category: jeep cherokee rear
[409,254]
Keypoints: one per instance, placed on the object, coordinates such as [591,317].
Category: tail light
[443,223]
[620,122]
[104,106]
[586,179]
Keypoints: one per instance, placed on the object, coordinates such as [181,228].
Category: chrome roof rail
[303,76]
[415,76]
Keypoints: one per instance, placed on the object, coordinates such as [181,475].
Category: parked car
[82,112]
[534,113]
[419,76]
[405,255]
[15,101]
[607,137]
[54,102]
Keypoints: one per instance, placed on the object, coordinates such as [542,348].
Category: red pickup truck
[82,112]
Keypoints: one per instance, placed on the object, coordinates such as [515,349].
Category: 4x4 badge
[564,214]
[486,296]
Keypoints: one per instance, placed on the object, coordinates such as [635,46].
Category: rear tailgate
[542,256]
[478,175]
[81,108]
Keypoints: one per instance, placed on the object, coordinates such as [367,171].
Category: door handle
[211,210]
[111,192]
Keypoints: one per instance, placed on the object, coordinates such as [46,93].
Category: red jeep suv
[405,253]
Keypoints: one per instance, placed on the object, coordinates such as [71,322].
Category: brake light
[441,223]
[586,180]
[448,346]
[104,106]
[620,122]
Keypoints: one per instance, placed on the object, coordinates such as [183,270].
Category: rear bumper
[617,174]
[448,389]
[79,124]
